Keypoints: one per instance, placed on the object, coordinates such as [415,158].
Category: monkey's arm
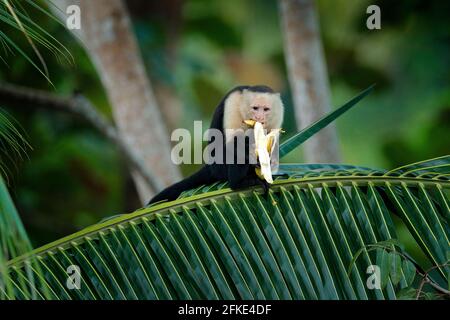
[242,176]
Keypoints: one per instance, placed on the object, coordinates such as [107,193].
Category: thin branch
[427,279]
[81,106]
[424,274]
[419,290]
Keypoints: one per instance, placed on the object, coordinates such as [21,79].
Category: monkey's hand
[266,186]
[251,181]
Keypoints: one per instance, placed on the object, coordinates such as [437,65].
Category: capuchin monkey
[259,103]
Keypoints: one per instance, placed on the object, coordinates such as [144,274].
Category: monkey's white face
[260,110]
[266,108]
[261,107]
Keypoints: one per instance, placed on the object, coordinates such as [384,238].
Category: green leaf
[384,262]
[440,164]
[390,243]
[396,267]
[13,238]
[305,167]
[296,140]
[429,295]
[355,257]
[15,14]
[424,220]
[14,147]
[409,270]
[407,294]
[448,272]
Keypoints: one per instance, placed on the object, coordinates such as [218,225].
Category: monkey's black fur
[238,175]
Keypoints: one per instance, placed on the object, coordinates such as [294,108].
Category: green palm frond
[13,237]
[13,240]
[222,244]
[438,168]
[13,145]
[300,137]
[13,13]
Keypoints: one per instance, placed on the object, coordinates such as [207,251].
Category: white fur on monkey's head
[238,107]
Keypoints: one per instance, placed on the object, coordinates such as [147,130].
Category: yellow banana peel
[264,145]
[250,123]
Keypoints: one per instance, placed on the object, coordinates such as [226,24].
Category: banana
[250,123]
[264,145]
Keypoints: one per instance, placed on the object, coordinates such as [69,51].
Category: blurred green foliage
[200,49]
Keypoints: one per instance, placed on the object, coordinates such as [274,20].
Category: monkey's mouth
[251,123]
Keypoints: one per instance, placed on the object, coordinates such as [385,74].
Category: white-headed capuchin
[259,103]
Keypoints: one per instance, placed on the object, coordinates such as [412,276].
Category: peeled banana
[264,145]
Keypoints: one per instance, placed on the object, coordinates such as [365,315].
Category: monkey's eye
[255,108]
[266,109]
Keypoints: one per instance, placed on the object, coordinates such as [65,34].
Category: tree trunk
[169,15]
[107,35]
[308,78]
